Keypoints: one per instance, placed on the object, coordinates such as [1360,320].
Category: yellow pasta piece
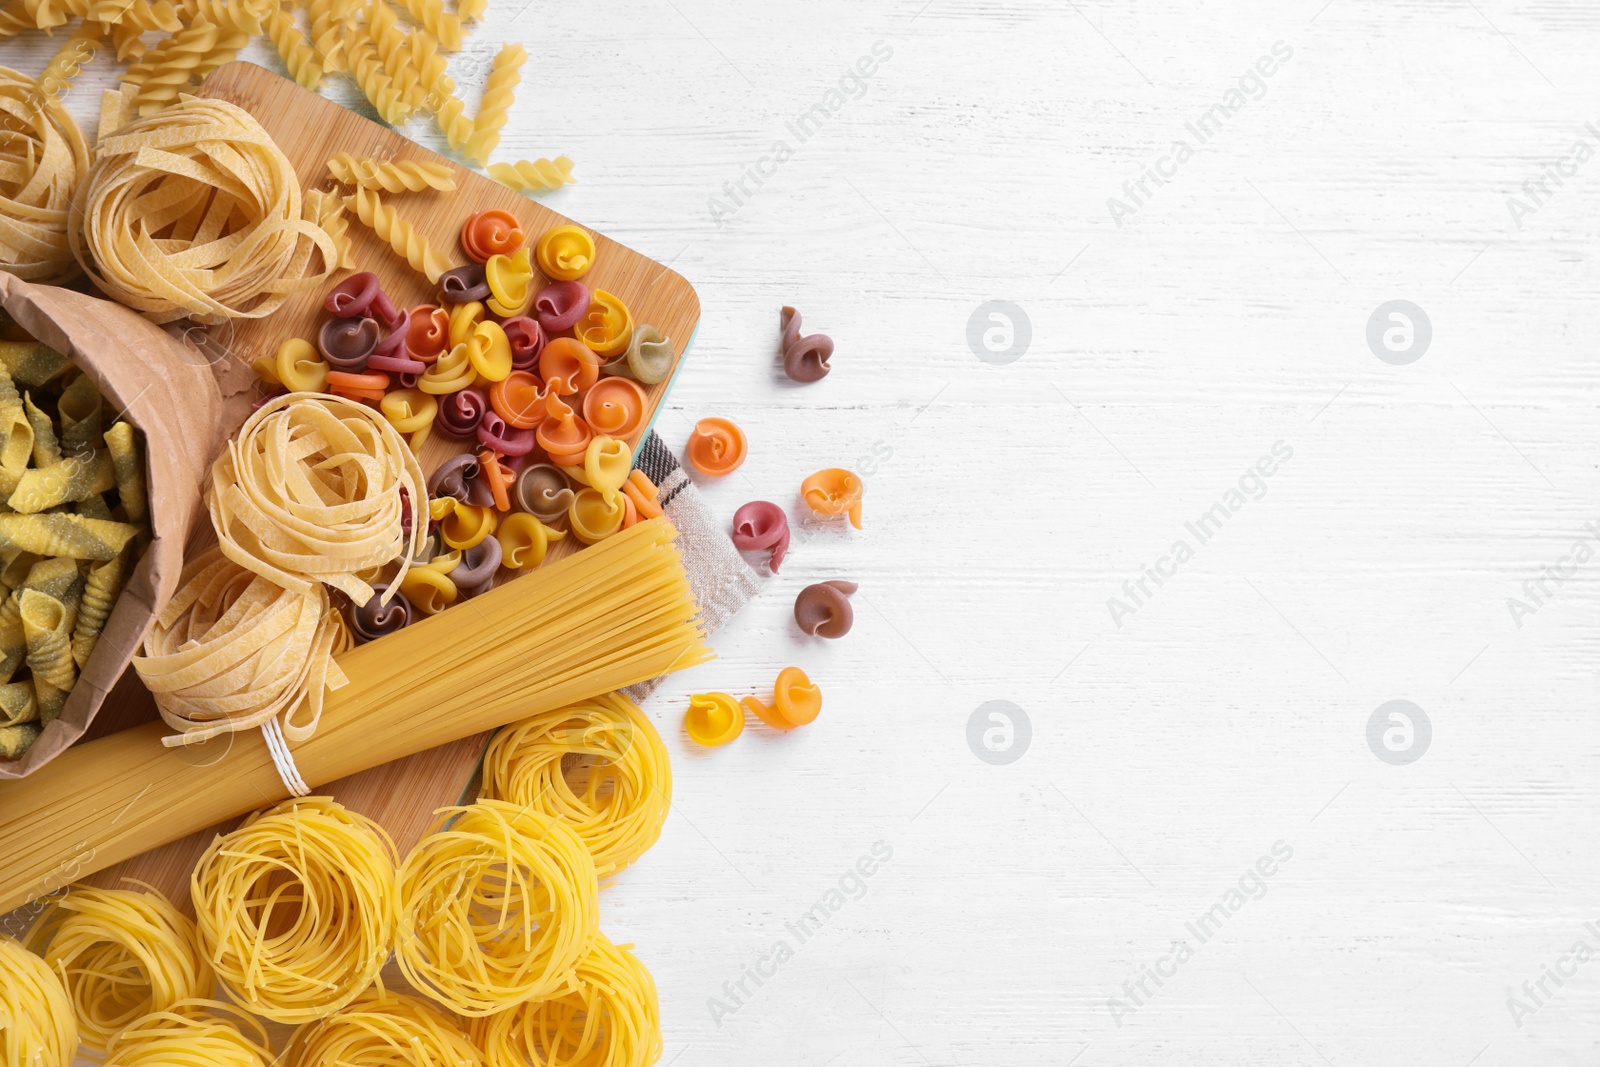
[394,51]
[38,1027]
[29,363]
[299,368]
[366,67]
[293,48]
[398,233]
[172,66]
[14,744]
[193,1032]
[47,629]
[69,536]
[328,20]
[532,176]
[79,408]
[70,479]
[142,15]
[16,434]
[431,66]
[14,19]
[410,411]
[389,175]
[43,156]
[236,254]
[17,704]
[100,591]
[78,49]
[450,110]
[444,26]
[498,95]
[471,10]
[46,449]
[127,464]
[128,40]
[524,540]
[326,209]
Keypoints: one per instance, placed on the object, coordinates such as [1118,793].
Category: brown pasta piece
[69,480]
[71,536]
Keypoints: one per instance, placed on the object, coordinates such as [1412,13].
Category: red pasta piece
[560,305]
[491,233]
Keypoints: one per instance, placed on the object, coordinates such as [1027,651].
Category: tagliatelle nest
[42,157]
[194,212]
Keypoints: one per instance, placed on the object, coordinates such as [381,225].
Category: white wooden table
[1179,738]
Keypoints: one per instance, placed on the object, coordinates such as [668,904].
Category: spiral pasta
[326,209]
[193,1032]
[296,52]
[329,20]
[533,175]
[122,954]
[390,175]
[610,1018]
[366,67]
[37,1025]
[314,489]
[394,51]
[43,157]
[80,46]
[398,232]
[441,24]
[498,95]
[599,766]
[296,908]
[497,905]
[184,59]
[383,1029]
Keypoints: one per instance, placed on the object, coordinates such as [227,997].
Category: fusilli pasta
[399,233]
[532,176]
[390,175]
[497,98]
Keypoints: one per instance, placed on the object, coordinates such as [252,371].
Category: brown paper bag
[166,389]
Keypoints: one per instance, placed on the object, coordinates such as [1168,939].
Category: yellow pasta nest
[37,1025]
[316,488]
[170,226]
[611,1018]
[192,1033]
[599,766]
[497,905]
[296,908]
[43,155]
[383,1029]
[122,954]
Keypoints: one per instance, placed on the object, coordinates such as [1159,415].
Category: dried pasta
[383,1029]
[497,905]
[533,175]
[326,209]
[444,26]
[315,489]
[390,175]
[58,534]
[610,1018]
[400,235]
[43,156]
[497,98]
[301,59]
[173,227]
[366,67]
[37,1025]
[100,591]
[599,766]
[296,908]
[122,955]
[70,479]
[127,466]
[189,1034]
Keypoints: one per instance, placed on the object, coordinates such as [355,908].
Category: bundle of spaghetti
[391,175]
[497,905]
[315,488]
[37,1026]
[172,225]
[233,649]
[597,621]
[598,765]
[302,61]
[533,175]
[383,1029]
[193,1033]
[296,908]
[122,954]
[496,106]
[610,1018]
[398,232]
[42,158]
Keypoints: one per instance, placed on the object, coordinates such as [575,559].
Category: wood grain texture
[1167,356]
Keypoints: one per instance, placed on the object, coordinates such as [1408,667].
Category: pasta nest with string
[122,954]
[610,1018]
[37,1024]
[42,157]
[296,908]
[191,1033]
[497,905]
[317,488]
[195,212]
[599,766]
[383,1029]
[232,650]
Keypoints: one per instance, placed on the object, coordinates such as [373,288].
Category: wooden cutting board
[403,795]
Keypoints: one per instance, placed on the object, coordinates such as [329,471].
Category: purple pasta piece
[347,344]
[475,573]
[461,477]
[560,305]
[351,298]
[273,394]
[461,412]
[462,285]
[375,619]
[504,438]
[762,525]
[394,341]
[527,341]
[805,359]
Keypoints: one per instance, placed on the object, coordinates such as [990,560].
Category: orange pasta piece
[716,447]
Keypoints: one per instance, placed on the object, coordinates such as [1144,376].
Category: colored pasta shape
[296,52]
[497,905]
[383,1029]
[100,592]
[37,1025]
[533,175]
[598,766]
[122,954]
[296,908]
[610,1018]
[498,96]
[43,157]
[389,175]
[399,233]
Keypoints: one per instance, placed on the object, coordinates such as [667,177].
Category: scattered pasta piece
[834,491]
[823,609]
[805,359]
[795,701]
[388,175]
[716,447]
[760,526]
[497,96]
[297,53]
[533,175]
[400,235]
[713,719]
